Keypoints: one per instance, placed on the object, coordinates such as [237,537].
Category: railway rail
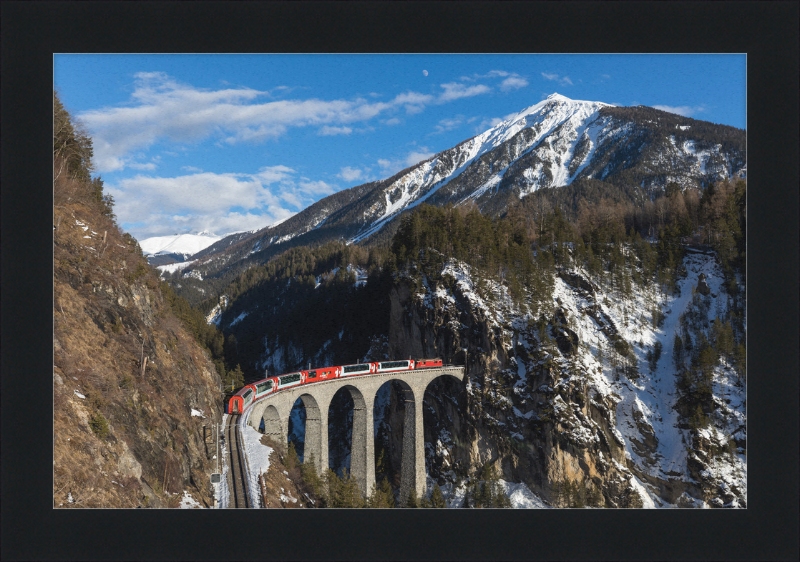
[239,495]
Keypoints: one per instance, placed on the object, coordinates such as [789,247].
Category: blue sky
[226,143]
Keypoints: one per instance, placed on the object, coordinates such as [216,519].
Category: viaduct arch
[274,410]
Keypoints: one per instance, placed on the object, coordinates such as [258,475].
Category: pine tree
[412,498]
[332,486]
[677,351]
[308,471]
[740,358]
[594,497]
[381,497]
[291,461]
[437,499]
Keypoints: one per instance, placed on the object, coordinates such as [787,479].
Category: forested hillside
[562,317]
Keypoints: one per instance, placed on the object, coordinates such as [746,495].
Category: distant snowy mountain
[188,244]
[556,142]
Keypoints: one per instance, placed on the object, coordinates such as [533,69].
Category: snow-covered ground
[188,502]
[173,267]
[520,495]
[224,491]
[257,456]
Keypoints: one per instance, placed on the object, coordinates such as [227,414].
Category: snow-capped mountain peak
[555,142]
[178,244]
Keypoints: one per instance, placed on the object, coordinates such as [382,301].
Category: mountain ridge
[552,143]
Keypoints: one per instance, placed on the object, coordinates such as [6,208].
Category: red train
[257,390]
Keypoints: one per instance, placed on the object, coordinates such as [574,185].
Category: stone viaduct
[274,410]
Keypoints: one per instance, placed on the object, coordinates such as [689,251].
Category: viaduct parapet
[274,411]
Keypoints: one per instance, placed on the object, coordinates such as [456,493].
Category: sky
[227,143]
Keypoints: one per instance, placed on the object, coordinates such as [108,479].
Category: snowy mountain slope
[188,244]
[550,144]
[647,416]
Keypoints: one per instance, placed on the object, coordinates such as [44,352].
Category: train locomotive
[259,389]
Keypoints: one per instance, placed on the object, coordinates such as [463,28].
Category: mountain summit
[556,142]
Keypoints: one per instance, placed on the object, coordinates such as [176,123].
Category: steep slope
[553,143]
[134,395]
[557,408]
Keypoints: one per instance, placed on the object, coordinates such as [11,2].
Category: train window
[289,379]
[394,364]
[354,368]
[264,386]
[246,395]
[312,374]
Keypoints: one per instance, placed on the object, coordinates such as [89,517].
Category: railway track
[238,477]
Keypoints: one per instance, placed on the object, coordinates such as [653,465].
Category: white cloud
[392,121]
[454,91]
[136,197]
[389,167]
[683,110]
[350,174]
[140,166]
[490,74]
[292,199]
[223,223]
[513,83]
[418,156]
[191,169]
[163,109]
[209,201]
[272,174]
[317,188]
[448,124]
[327,131]
[563,80]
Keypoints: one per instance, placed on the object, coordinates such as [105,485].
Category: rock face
[702,286]
[508,412]
[134,395]
[554,396]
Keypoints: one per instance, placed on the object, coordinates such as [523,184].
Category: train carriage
[359,369]
[264,387]
[241,400]
[392,366]
[289,380]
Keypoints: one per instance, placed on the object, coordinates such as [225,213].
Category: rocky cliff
[561,398]
[134,395]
